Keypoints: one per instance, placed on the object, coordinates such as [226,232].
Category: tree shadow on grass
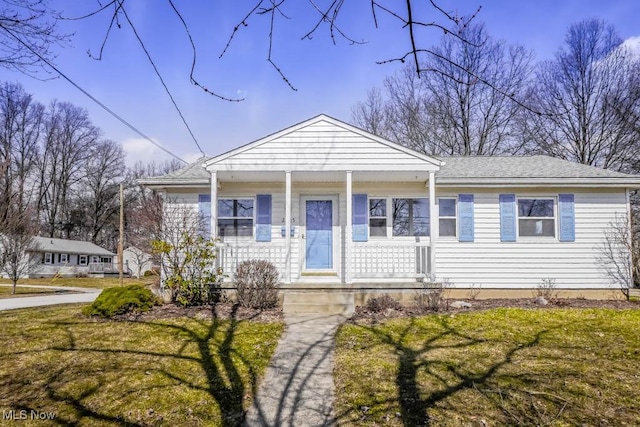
[83,391]
[416,361]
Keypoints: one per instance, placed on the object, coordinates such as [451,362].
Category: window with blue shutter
[465,215]
[204,207]
[508,217]
[360,209]
[263,218]
[567,214]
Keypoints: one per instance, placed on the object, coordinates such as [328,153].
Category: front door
[319,250]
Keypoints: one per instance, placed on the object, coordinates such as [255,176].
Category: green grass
[82,282]
[499,367]
[94,373]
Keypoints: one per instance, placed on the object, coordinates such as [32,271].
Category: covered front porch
[319,228]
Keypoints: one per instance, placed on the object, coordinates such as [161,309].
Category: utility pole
[121,241]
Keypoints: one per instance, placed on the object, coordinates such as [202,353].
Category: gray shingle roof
[522,169]
[192,174]
[517,170]
[64,246]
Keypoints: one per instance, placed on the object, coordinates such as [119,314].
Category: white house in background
[136,261]
[335,207]
[69,258]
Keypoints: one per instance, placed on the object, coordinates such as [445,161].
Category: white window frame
[554,200]
[386,216]
[449,217]
[253,217]
[63,258]
[81,258]
[95,259]
[48,258]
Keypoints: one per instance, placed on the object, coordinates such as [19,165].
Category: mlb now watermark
[23,415]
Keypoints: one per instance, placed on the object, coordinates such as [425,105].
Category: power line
[94,99]
[166,88]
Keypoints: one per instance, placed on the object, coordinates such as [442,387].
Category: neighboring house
[70,258]
[137,262]
[334,206]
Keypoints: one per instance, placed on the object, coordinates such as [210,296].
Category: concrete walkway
[74,295]
[298,387]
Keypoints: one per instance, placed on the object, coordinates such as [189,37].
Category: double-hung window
[82,259]
[378,217]
[63,258]
[48,258]
[536,217]
[447,217]
[410,217]
[235,217]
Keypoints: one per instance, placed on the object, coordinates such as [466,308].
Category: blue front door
[319,235]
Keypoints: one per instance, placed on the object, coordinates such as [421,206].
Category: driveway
[75,295]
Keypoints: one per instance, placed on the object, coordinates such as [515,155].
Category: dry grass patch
[170,372]
[498,367]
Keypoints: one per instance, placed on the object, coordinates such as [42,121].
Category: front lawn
[496,367]
[5,292]
[82,282]
[91,372]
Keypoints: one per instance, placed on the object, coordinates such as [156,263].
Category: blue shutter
[465,215]
[360,227]
[204,207]
[508,217]
[567,215]
[263,218]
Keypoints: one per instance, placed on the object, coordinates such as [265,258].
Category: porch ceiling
[324,176]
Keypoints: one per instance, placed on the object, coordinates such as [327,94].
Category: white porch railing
[397,260]
[103,267]
[230,255]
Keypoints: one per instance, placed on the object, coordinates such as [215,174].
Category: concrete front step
[319,302]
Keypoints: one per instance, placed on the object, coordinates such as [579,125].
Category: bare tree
[17,244]
[99,198]
[20,125]
[589,92]
[619,253]
[28,33]
[413,17]
[451,110]
[67,141]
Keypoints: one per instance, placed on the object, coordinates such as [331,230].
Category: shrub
[189,269]
[113,301]
[149,273]
[382,303]
[547,289]
[432,295]
[256,284]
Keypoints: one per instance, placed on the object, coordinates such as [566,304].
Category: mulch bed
[363,314]
[218,311]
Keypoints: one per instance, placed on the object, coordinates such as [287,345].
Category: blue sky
[329,78]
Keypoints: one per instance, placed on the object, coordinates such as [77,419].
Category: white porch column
[287,224]
[214,205]
[433,223]
[347,231]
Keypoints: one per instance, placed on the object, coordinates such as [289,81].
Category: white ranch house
[66,257]
[335,207]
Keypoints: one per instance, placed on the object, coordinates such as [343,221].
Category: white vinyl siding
[490,263]
[322,146]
